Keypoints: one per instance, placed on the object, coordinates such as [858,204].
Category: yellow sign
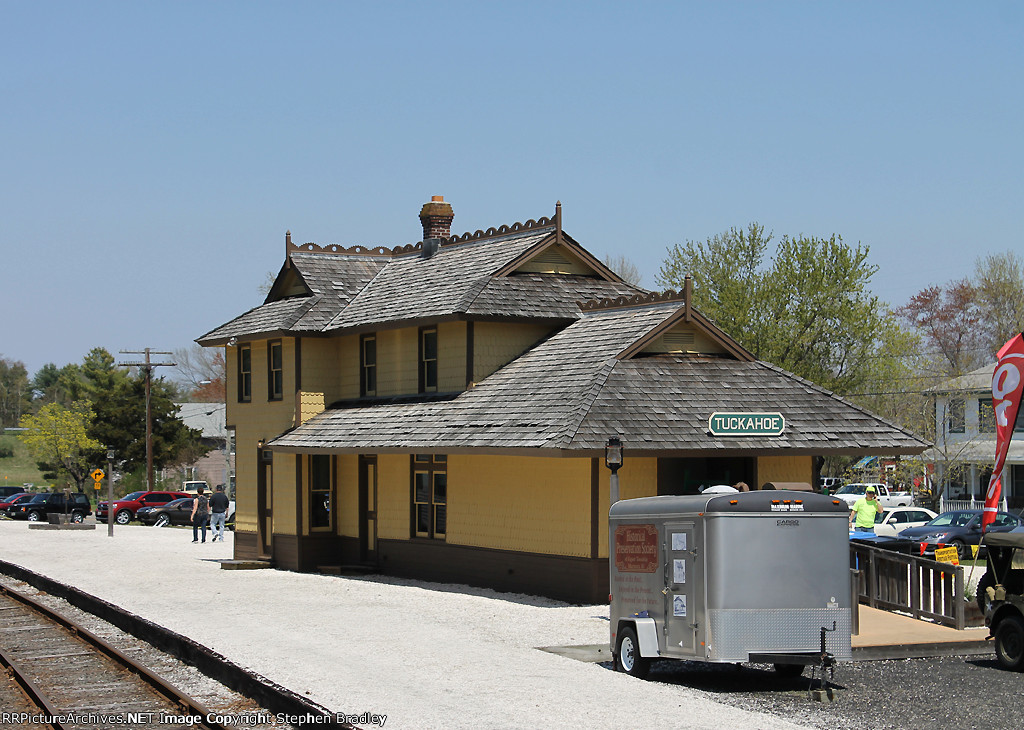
[97,475]
[947,555]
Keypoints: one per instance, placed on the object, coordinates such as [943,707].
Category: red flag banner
[1007,384]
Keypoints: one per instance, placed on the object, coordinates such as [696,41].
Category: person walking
[200,514]
[863,511]
[218,513]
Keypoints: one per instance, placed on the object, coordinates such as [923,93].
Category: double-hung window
[428,360]
[319,491]
[275,371]
[368,365]
[244,373]
[430,495]
[955,422]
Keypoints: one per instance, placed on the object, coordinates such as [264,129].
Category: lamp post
[613,460]
[110,493]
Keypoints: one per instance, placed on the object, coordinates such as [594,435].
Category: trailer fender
[646,634]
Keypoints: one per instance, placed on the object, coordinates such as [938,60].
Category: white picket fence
[950,505]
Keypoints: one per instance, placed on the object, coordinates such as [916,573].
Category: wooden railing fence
[920,587]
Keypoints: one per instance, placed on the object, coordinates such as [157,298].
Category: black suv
[36,509]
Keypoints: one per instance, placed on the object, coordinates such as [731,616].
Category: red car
[126,507]
[7,502]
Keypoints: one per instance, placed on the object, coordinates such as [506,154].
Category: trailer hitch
[825,661]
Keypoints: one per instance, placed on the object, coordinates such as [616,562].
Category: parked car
[36,509]
[957,529]
[893,520]
[7,502]
[177,512]
[6,492]
[850,493]
[128,506]
[192,487]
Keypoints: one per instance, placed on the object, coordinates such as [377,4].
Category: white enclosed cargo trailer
[758,576]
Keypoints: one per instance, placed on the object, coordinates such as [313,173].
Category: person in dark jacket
[218,513]
[200,514]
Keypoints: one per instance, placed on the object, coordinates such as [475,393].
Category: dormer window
[428,359]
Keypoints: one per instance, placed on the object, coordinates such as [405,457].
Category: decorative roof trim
[631,301]
[479,235]
[684,314]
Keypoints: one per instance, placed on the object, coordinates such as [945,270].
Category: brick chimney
[436,217]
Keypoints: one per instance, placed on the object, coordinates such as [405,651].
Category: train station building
[441,410]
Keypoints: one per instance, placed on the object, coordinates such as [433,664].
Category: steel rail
[34,693]
[188,705]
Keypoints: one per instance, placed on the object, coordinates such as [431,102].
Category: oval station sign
[746,424]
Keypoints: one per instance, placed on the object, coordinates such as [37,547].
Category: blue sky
[154,154]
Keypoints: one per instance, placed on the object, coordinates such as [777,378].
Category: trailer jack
[825,661]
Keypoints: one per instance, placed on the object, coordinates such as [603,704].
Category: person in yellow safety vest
[863,511]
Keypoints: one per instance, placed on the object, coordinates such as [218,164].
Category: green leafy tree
[58,439]
[59,385]
[807,309]
[15,392]
[120,424]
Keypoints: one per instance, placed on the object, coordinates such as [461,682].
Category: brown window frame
[275,376]
[367,370]
[245,373]
[319,490]
[424,362]
[434,467]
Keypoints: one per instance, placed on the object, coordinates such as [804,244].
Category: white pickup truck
[850,493]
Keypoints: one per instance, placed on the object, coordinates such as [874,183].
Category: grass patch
[19,468]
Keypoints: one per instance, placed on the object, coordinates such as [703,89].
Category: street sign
[97,475]
[947,555]
[746,424]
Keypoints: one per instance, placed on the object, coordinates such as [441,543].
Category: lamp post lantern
[613,460]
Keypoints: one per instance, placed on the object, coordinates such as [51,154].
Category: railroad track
[73,678]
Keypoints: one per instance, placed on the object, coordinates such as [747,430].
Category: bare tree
[201,371]
[999,288]
[624,268]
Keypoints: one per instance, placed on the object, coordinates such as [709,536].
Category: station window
[430,496]
[275,371]
[368,365]
[244,373]
[319,491]
[428,359]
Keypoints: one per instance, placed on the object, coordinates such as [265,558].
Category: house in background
[218,465]
[441,410]
[965,441]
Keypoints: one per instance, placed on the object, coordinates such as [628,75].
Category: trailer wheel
[789,670]
[1010,643]
[628,658]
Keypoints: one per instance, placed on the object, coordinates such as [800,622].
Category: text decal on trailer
[746,424]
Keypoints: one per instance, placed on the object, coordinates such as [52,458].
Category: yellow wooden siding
[638,477]
[520,503]
[397,361]
[496,344]
[451,357]
[785,469]
[347,496]
[394,495]
[283,497]
[331,366]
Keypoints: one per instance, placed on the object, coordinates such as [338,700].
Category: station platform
[887,635]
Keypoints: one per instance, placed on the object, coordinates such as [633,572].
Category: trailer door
[684,589]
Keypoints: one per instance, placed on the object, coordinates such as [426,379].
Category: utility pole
[147,366]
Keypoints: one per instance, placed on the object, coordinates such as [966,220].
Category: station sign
[746,424]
